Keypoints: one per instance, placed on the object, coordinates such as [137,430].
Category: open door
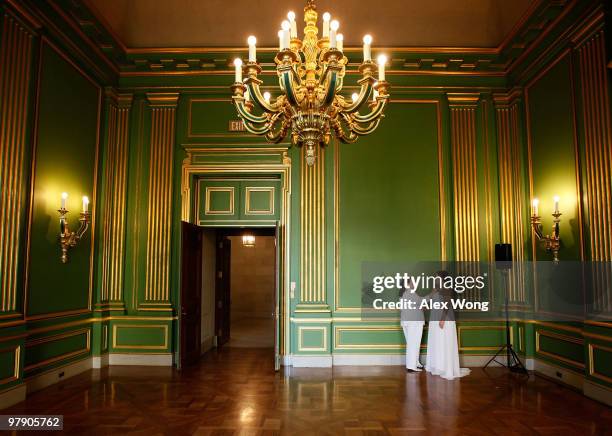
[191,294]
[222,290]
[277,303]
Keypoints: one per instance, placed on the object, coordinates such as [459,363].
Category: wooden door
[191,293]
[222,290]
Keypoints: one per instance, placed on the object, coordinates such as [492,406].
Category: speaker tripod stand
[513,362]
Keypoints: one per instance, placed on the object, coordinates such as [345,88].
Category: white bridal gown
[442,348]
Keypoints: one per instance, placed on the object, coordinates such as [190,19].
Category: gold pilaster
[597,176]
[465,184]
[15,67]
[511,188]
[115,191]
[159,229]
[312,234]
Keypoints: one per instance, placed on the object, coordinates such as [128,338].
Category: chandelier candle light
[311,73]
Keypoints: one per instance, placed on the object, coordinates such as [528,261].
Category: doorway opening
[229,290]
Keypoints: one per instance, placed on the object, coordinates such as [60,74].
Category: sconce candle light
[552,242]
[69,238]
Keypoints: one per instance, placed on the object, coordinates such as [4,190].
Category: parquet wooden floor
[237,392]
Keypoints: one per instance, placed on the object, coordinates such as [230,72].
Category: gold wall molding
[15,71]
[598,145]
[313,247]
[247,201]
[159,227]
[597,176]
[465,177]
[300,335]
[164,328]
[115,192]
[136,224]
[511,186]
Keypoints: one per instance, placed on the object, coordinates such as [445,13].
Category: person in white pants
[412,321]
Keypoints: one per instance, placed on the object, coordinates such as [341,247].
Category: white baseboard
[369,359]
[140,359]
[13,396]
[597,392]
[311,361]
[559,374]
[337,359]
[98,362]
[41,381]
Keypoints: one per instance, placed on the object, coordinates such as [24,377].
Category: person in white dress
[442,347]
[412,321]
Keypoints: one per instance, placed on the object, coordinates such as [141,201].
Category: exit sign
[236,126]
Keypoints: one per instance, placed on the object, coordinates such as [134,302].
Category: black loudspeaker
[503,256]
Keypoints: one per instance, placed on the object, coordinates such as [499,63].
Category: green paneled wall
[389,202]
[386,189]
[551,112]
[65,161]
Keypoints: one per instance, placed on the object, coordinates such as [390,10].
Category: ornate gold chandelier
[311,73]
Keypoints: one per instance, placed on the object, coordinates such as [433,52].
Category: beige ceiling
[226,23]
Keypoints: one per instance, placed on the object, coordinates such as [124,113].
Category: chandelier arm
[364,94]
[258,98]
[362,131]
[280,134]
[374,114]
[330,90]
[345,136]
[287,86]
[257,130]
[246,115]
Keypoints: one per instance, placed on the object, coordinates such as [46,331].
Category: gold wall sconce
[552,242]
[68,238]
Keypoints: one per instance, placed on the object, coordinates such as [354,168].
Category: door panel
[191,293]
[222,290]
[277,303]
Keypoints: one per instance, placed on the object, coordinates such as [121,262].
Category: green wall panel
[56,349]
[136,337]
[9,363]
[205,119]
[560,348]
[600,362]
[65,154]
[553,153]
[260,200]
[553,172]
[362,338]
[389,204]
